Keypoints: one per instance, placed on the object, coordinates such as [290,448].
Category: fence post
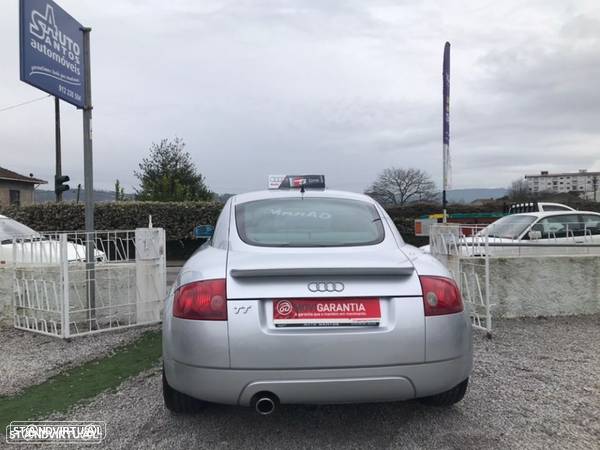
[15,285]
[487,289]
[64,276]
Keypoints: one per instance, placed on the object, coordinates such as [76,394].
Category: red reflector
[202,300]
[440,296]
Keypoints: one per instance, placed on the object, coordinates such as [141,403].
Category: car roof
[290,193]
[540,214]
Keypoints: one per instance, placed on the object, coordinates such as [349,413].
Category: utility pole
[58,170]
[88,172]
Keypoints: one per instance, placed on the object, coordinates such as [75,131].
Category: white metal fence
[477,240]
[468,250]
[468,262]
[61,292]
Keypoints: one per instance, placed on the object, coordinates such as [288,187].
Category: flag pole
[446,125]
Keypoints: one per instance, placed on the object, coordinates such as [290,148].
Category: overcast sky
[344,88]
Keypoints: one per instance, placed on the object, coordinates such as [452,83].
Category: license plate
[305,312]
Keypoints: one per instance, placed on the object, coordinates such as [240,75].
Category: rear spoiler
[321,271]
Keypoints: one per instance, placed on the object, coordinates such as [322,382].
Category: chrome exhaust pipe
[265,404]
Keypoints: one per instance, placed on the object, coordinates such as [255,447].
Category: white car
[29,246]
[538,207]
[567,227]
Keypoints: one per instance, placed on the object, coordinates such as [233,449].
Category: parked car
[307,295]
[538,207]
[567,227]
[29,246]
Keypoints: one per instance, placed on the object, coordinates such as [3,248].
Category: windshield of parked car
[308,222]
[509,227]
[10,228]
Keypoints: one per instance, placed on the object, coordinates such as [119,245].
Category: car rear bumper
[346,385]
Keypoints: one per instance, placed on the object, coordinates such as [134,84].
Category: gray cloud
[342,88]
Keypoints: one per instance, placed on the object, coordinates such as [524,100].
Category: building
[17,189]
[585,183]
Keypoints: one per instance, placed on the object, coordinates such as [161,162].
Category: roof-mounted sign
[296,181]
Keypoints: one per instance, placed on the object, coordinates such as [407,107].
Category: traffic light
[59,186]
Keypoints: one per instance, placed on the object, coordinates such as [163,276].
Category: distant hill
[468,195]
[454,196]
[44,196]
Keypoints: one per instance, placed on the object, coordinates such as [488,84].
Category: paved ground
[535,385]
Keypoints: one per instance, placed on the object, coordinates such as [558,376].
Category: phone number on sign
[69,93]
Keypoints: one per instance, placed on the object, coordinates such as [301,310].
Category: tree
[519,191]
[398,186]
[168,174]
[119,192]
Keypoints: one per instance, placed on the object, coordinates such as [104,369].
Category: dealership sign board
[52,50]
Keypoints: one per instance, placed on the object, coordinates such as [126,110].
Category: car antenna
[302,190]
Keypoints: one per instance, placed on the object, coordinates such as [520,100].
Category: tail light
[440,296]
[202,300]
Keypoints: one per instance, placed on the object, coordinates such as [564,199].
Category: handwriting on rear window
[312,214]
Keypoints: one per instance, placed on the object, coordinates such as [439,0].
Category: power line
[24,103]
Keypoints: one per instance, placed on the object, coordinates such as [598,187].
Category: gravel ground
[28,358]
[535,385]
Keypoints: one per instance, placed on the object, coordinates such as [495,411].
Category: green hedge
[178,219]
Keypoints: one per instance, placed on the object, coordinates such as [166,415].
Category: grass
[64,390]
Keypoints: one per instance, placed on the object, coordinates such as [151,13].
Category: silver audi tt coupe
[307,295]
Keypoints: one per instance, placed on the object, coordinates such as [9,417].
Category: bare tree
[519,191]
[400,186]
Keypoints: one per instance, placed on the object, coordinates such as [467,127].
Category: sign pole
[446,125]
[88,173]
[58,171]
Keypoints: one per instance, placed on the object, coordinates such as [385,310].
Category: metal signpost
[58,169]
[88,179]
[55,57]
[59,178]
[446,125]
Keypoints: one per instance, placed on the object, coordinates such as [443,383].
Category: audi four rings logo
[325,286]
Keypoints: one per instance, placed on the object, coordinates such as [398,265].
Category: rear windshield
[308,222]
